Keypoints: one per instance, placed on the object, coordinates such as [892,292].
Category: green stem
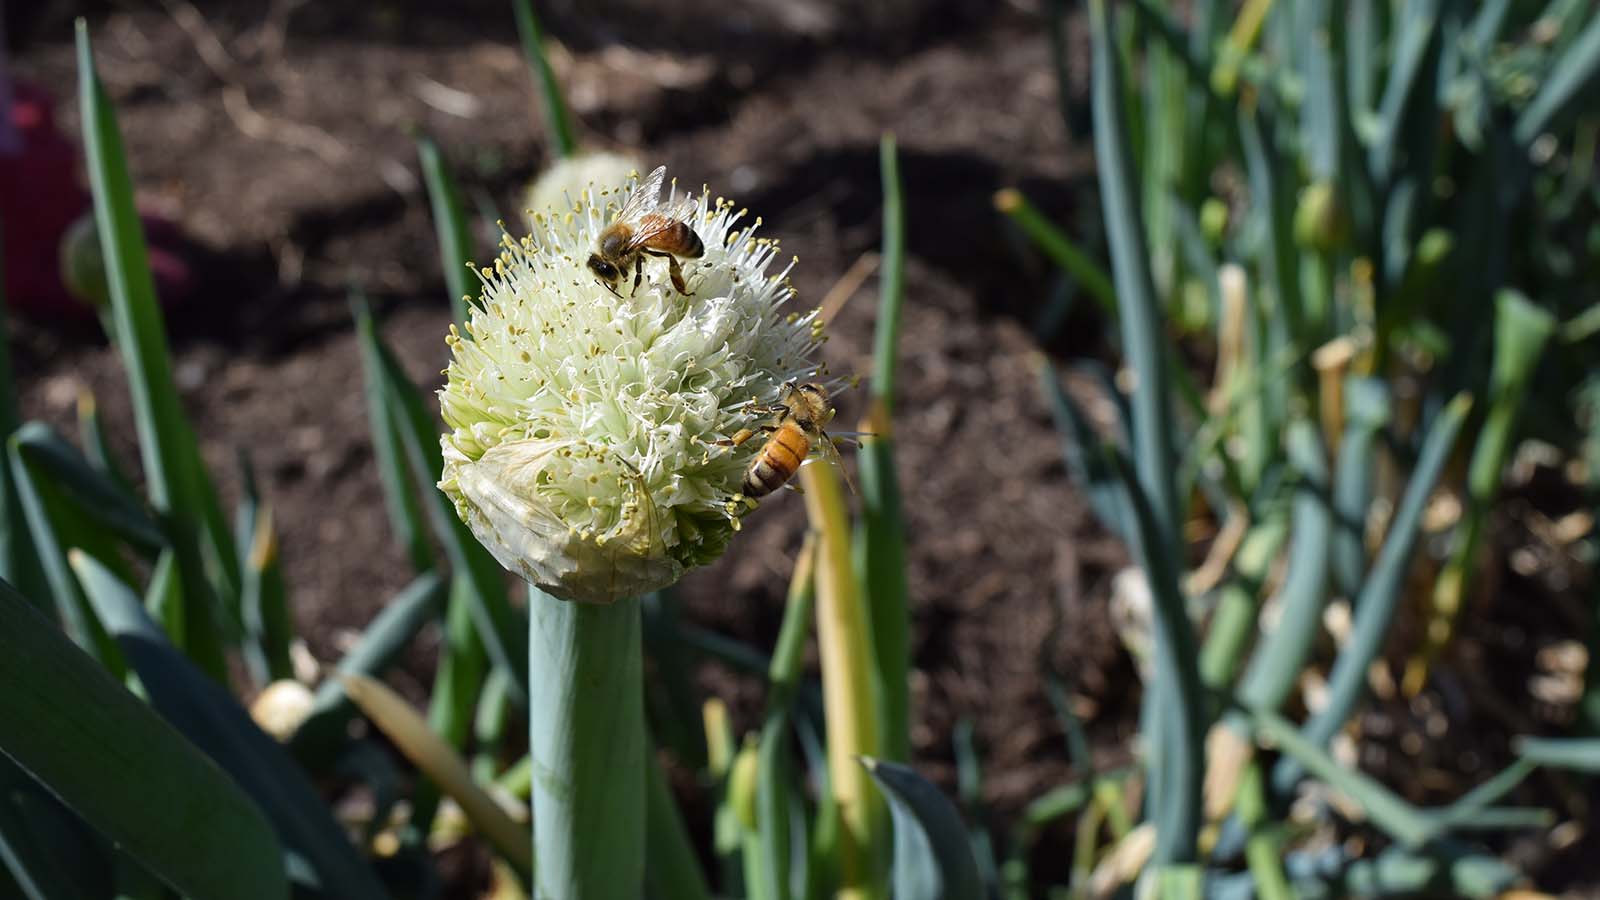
[880,545]
[851,694]
[586,738]
[557,121]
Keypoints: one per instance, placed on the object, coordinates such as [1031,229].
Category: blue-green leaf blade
[449,226]
[210,718]
[932,857]
[113,760]
[1575,754]
[417,604]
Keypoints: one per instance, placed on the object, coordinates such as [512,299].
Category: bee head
[807,402]
[603,270]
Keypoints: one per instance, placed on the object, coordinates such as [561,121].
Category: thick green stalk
[586,737]
[881,543]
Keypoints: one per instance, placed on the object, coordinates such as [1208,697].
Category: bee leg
[638,273]
[738,439]
[675,270]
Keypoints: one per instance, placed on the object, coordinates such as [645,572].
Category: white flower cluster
[583,423]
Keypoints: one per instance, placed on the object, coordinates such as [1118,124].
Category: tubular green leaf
[265,608]
[1447,870]
[1060,248]
[1366,413]
[399,495]
[1088,468]
[94,494]
[1572,77]
[1175,785]
[55,528]
[1404,822]
[557,121]
[417,604]
[210,718]
[92,433]
[932,860]
[671,867]
[1141,321]
[140,335]
[449,225]
[1270,194]
[1576,754]
[113,760]
[1234,622]
[1380,594]
[1182,729]
[881,540]
[1262,850]
[457,685]
[167,445]
[774,763]
[1414,43]
[502,631]
[1521,332]
[1276,666]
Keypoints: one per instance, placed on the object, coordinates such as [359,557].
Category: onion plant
[1346,204]
[584,452]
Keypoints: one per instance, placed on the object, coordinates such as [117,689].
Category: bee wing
[830,450]
[646,229]
[644,197]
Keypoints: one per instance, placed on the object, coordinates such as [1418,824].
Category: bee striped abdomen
[672,236]
[778,460]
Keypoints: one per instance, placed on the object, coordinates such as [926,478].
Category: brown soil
[281,142]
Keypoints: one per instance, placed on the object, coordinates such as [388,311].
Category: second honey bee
[643,227]
[801,414]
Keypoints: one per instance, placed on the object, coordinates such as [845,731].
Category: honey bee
[801,413]
[644,227]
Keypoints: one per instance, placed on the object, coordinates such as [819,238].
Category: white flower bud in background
[565,182]
[582,449]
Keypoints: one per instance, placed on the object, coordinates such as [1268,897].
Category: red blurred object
[41,196]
